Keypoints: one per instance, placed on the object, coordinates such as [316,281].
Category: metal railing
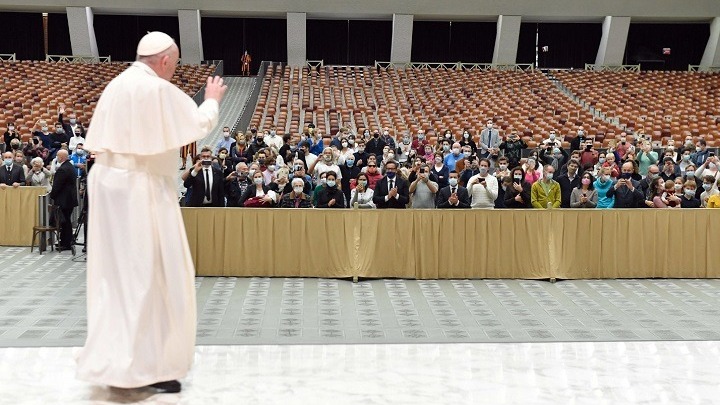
[315,63]
[700,68]
[456,66]
[78,59]
[8,57]
[612,68]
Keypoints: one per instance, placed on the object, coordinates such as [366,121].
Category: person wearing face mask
[388,139]
[519,193]
[545,193]
[320,185]
[270,172]
[72,125]
[453,157]
[9,135]
[360,155]
[610,162]
[348,172]
[580,139]
[258,194]
[226,142]
[584,195]
[512,148]
[445,147]
[652,173]
[589,157]
[405,150]
[297,197]
[257,145]
[224,162]
[646,157]
[568,182]
[532,170]
[502,170]
[240,153]
[554,156]
[392,191]
[626,191]
[701,153]
[447,134]
[467,154]
[685,161]
[624,146]
[467,140]
[603,185]
[42,131]
[454,195]
[206,181]
[708,168]
[505,186]
[714,200]
[375,145]
[688,199]
[281,184]
[326,162]
[483,187]
[331,196]
[76,139]
[423,190]
[79,160]
[362,194]
[236,183]
[272,139]
[38,176]
[551,142]
[472,167]
[420,143]
[440,171]
[489,140]
[11,174]
[709,189]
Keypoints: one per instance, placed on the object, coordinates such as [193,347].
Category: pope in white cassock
[140,275]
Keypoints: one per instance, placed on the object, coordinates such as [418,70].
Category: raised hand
[215,89]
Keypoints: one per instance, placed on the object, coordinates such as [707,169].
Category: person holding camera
[422,189]
[237,182]
[9,135]
[626,191]
[512,148]
[206,182]
[483,187]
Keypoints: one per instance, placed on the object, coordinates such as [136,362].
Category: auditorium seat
[33,90]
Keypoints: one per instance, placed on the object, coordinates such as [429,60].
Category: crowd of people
[374,169]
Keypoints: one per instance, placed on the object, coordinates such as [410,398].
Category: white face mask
[298,189]
[391,156]
[258,180]
[453,182]
[271,168]
[549,176]
[226,134]
[503,167]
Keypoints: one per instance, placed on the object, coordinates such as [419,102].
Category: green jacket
[542,193]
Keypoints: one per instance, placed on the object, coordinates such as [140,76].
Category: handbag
[255,202]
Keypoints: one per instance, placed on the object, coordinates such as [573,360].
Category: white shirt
[274,141]
[483,197]
[74,141]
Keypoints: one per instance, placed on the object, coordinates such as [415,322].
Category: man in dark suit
[568,182]
[454,195]
[207,183]
[11,174]
[64,196]
[391,191]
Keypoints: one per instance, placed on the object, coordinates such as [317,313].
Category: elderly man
[11,174]
[545,193]
[64,196]
[140,274]
[626,191]
[296,198]
[454,156]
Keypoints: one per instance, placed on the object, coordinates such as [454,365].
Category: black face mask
[376,136]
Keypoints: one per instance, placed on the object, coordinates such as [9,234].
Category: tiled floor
[42,304]
[583,373]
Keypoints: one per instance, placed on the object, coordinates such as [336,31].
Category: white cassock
[140,275]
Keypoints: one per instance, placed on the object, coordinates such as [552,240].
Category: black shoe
[169,387]
[61,248]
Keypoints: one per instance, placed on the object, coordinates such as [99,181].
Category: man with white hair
[64,196]
[140,275]
[296,198]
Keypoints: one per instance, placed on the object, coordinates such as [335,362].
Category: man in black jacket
[568,182]
[11,174]
[64,196]
[392,191]
[626,190]
[207,182]
[237,182]
[454,195]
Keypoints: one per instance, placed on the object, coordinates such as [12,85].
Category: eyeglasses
[371,165]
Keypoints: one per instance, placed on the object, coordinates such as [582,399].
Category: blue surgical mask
[73,121]
[349,162]
[330,183]
[7,162]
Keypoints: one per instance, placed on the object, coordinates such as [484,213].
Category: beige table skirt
[18,214]
[428,244]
